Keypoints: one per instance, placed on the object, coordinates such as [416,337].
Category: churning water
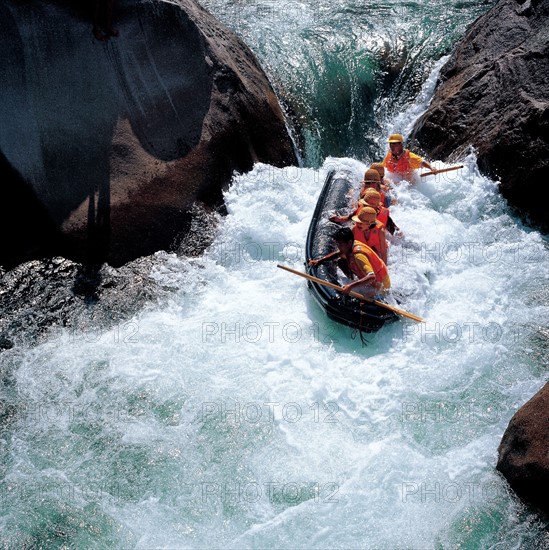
[238,416]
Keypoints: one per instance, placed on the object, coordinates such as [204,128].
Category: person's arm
[367,269]
[340,219]
[383,244]
[417,162]
[367,279]
[331,256]
[391,226]
[425,164]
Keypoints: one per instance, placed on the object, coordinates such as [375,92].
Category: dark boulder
[108,147]
[523,454]
[493,94]
[58,299]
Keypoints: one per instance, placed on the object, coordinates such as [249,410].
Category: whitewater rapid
[236,415]
[239,416]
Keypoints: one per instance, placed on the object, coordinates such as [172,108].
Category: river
[234,414]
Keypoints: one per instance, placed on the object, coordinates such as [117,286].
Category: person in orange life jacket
[401,161]
[357,259]
[385,184]
[371,180]
[380,168]
[372,198]
[369,230]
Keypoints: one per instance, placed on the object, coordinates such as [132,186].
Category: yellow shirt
[364,264]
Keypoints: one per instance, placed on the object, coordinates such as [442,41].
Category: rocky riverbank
[493,94]
[112,149]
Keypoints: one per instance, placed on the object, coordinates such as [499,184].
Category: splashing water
[237,415]
[342,69]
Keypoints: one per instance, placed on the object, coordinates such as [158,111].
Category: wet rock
[493,95]
[41,299]
[523,454]
[111,149]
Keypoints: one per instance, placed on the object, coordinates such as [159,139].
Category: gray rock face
[523,454]
[493,94]
[106,146]
[57,298]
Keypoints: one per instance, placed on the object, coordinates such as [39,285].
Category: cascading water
[342,68]
[235,415]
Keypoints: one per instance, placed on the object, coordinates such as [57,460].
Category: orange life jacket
[378,265]
[383,215]
[383,197]
[373,238]
[400,166]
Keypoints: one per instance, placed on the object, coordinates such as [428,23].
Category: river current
[235,414]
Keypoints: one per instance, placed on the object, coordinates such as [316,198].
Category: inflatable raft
[337,195]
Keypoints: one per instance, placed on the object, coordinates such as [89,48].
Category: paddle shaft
[439,171]
[352,293]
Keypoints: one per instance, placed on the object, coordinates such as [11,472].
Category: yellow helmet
[370,197]
[378,167]
[396,138]
[372,175]
[365,215]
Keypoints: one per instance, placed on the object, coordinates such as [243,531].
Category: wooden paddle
[352,293]
[440,170]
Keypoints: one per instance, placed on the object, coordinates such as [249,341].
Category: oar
[352,293]
[439,171]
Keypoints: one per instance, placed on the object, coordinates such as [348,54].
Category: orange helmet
[378,166]
[370,197]
[371,175]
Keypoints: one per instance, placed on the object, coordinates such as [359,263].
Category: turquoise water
[343,68]
[235,415]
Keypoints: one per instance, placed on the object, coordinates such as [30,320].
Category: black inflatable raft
[337,194]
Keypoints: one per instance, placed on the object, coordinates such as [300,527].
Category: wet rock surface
[111,150]
[523,454]
[493,95]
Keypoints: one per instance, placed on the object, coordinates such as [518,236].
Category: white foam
[242,384]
